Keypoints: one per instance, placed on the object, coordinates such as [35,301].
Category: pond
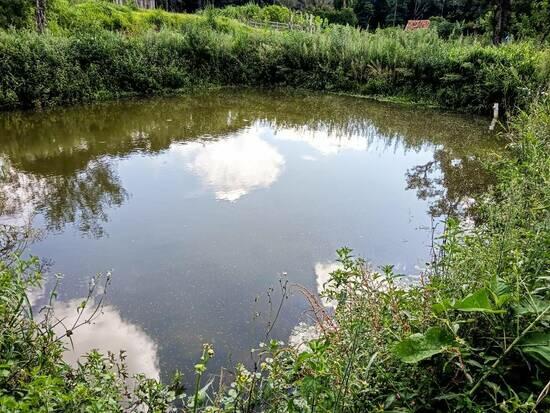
[202,206]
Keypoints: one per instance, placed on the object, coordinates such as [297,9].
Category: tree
[531,18]
[501,25]
[381,9]
[419,8]
[541,18]
[41,15]
[371,13]
[397,14]
[364,10]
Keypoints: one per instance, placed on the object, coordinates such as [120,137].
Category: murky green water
[199,205]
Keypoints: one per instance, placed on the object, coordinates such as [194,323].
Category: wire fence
[281,26]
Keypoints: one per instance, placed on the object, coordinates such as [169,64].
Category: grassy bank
[472,336]
[97,50]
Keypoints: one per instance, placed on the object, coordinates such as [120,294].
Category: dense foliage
[522,18]
[15,13]
[472,336]
[96,50]
[273,13]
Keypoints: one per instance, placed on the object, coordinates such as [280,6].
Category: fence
[142,4]
[281,26]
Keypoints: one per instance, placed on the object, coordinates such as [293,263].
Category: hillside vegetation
[95,50]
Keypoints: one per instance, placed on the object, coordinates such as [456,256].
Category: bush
[83,61]
[66,18]
[15,14]
[345,16]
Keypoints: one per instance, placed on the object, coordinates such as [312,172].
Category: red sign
[417,24]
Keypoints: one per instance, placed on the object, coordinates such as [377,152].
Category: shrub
[345,16]
[15,14]
[271,13]
[55,68]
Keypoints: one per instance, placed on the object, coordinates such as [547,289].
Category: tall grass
[95,50]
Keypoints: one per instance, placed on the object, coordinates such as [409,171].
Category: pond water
[200,205]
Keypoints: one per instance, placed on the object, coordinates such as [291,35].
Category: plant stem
[508,349]
[196,396]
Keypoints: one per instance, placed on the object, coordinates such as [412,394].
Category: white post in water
[495,117]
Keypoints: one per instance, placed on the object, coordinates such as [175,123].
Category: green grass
[96,50]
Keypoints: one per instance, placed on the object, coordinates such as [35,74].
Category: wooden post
[495,117]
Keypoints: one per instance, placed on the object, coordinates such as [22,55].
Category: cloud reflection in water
[235,166]
[109,332]
[325,141]
[303,332]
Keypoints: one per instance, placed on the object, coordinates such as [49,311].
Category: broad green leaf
[442,306]
[478,301]
[537,346]
[502,299]
[499,287]
[533,305]
[482,300]
[418,347]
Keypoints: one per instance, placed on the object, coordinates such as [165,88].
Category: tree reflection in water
[81,198]
[451,183]
[62,164]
